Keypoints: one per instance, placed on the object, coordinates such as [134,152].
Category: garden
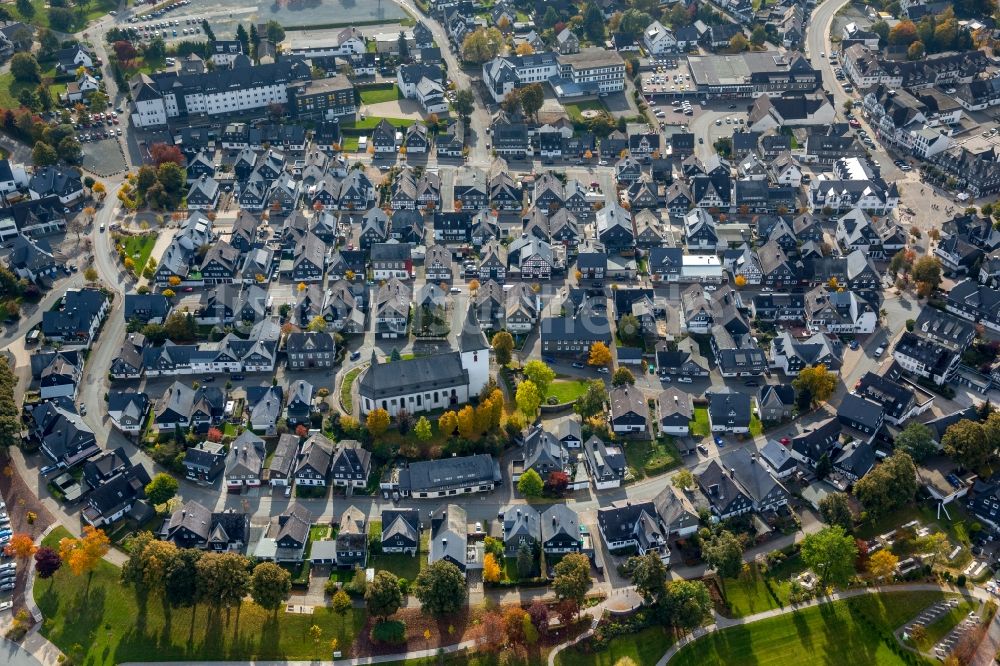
[651,457]
[700,426]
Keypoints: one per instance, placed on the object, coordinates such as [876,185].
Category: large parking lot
[670,77]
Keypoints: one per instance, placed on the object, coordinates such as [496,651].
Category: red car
[785,440]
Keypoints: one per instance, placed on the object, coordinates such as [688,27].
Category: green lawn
[644,648]
[856,631]
[756,427]
[575,111]
[349,144]
[371,122]
[567,390]
[10,89]
[378,95]
[404,566]
[956,528]
[700,427]
[345,389]
[98,622]
[751,594]
[652,457]
[139,248]
[40,15]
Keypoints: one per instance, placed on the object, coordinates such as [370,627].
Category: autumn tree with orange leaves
[82,555]
[21,546]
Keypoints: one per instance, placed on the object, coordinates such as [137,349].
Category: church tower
[475,352]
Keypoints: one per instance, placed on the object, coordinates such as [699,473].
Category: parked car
[355,355]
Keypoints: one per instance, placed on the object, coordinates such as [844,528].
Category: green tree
[593,23]
[223,579]
[634,22]
[649,575]
[70,150]
[341,602]
[147,563]
[917,440]
[403,46]
[724,553]
[593,400]
[423,429]
[207,29]
[532,97]
[161,488]
[550,18]
[683,479]
[687,603]
[836,510]
[275,33]
[503,347]
[927,271]
[525,561]
[622,377]
[966,441]
[180,580]
[530,484]
[26,9]
[540,375]
[61,19]
[528,398]
[270,586]
[464,102]
[481,45]
[888,486]
[739,43]
[440,588]
[243,38]
[817,381]
[915,51]
[881,28]
[24,68]
[384,595]
[831,554]
[572,578]
[758,35]
[630,330]
[43,155]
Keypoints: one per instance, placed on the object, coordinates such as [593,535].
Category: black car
[751,382]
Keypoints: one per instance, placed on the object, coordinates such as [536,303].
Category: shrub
[392,632]
[960,581]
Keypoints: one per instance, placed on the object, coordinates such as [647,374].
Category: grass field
[98,622]
[644,648]
[700,427]
[10,89]
[575,111]
[378,95]
[567,390]
[651,457]
[139,248]
[846,633]
[371,122]
[756,427]
[40,16]
[956,528]
[753,594]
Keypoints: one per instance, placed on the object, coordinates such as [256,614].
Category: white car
[879,351]
[6,605]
